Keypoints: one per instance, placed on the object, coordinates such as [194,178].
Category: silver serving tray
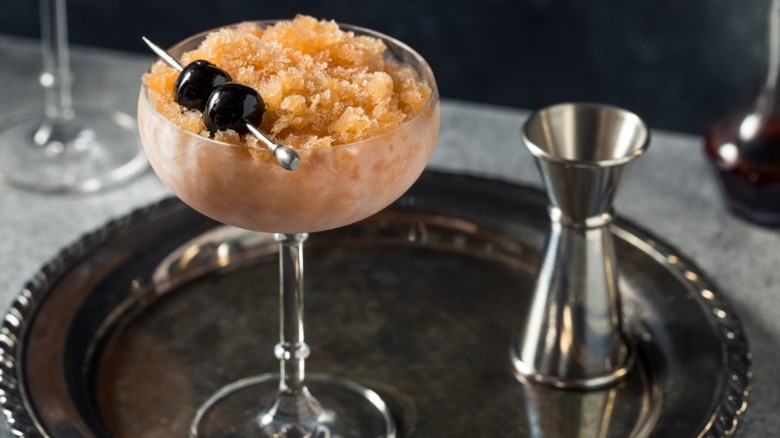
[128,330]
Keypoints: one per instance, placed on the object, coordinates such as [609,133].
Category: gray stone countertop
[670,192]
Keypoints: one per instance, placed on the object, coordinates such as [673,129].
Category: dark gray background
[679,64]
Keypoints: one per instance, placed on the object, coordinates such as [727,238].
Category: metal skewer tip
[165,56]
[286,157]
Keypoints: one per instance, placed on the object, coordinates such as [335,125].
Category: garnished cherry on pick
[233,106]
[196,83]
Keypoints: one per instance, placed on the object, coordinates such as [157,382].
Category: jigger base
[529,374]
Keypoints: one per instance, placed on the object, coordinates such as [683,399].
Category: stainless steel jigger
[573,337]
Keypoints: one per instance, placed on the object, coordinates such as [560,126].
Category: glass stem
[291,350]
[56,77]
[294,412]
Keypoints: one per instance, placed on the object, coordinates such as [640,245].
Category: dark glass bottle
[749,168]
[745,150]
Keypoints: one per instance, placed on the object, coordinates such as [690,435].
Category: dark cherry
[196,82]
[232,106]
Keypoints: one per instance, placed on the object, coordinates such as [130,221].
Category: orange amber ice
[363,122]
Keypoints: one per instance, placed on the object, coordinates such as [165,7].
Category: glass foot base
[241,408]
[93,150]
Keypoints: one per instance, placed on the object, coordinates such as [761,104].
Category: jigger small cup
[573,335]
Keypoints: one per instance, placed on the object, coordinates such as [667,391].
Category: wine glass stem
[291,350]
[56,77]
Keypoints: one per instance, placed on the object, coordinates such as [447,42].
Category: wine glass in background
[333,187]
[63,147]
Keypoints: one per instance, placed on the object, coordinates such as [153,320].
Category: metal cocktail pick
[573,336]
[286,157]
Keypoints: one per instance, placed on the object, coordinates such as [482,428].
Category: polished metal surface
[573,336]
[582,151]
[132,328]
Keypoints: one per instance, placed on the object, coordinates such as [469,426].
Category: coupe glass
[63,147]
[333,187]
